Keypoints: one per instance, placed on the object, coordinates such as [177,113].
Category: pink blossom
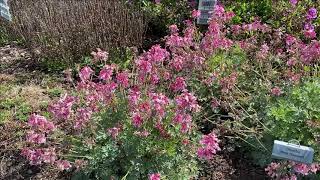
[123,79]
[157,1]
[155,79]
[106,73]
[155,176]
[314,168]
[219,11]
[276,91]
[312,13]
[311,34]
[173,29]
[100,55]
[137,120]
[83,116]
[85,73]
[196,13]
[49,155]
[290,40]
[228,83]
[144,66]
[210,146]
[272,170]
[40,123]
[38,138]
[156,54]
[63,165]
[177,63]
[134,96]
[159,102]
[291,62]
[302,169]
[179,84]
[293,2]
[114,132]
[187,101]
[63,108]
[34,156]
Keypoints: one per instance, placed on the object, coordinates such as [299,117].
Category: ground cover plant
[162,113]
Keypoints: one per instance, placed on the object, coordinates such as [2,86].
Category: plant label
[288,151]
[205,7]
[4,10]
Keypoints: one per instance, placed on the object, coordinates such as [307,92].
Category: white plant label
[4,10]
[288,151]
[205,7]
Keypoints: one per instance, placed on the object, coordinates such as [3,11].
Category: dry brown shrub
[67,29]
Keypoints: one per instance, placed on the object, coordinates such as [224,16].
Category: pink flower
[187,101]
[155,176]
[156,54]
[290,40]
[34,156]
[314,168]
[36,137]
[40,123]
[144,66]
[276,91]
[196,13]
[210,146]
[137,120]
[291,62]
[85,73]
[272,170]
[312,13]
[123,79]
[100,55]
[293,2]
[63,108]
[106,73]
[311,34]
[219,11]
[157,1]
[83,117]
[134,96]
[114,132]
[179,84]
[302,169]
[49,155]
[155,79]
[63,165]
[173,29]
[177,63]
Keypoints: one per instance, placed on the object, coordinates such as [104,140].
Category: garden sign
[205,7]
[4,10]
[294,152]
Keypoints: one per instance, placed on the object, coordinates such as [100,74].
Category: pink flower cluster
[210,146]
[280,170]
[40,128]
[155,176]
[100,55]
[63,108]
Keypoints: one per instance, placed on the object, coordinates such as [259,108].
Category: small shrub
[66,30]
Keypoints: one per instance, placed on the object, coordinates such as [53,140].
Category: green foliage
[247,10]
[297,115]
